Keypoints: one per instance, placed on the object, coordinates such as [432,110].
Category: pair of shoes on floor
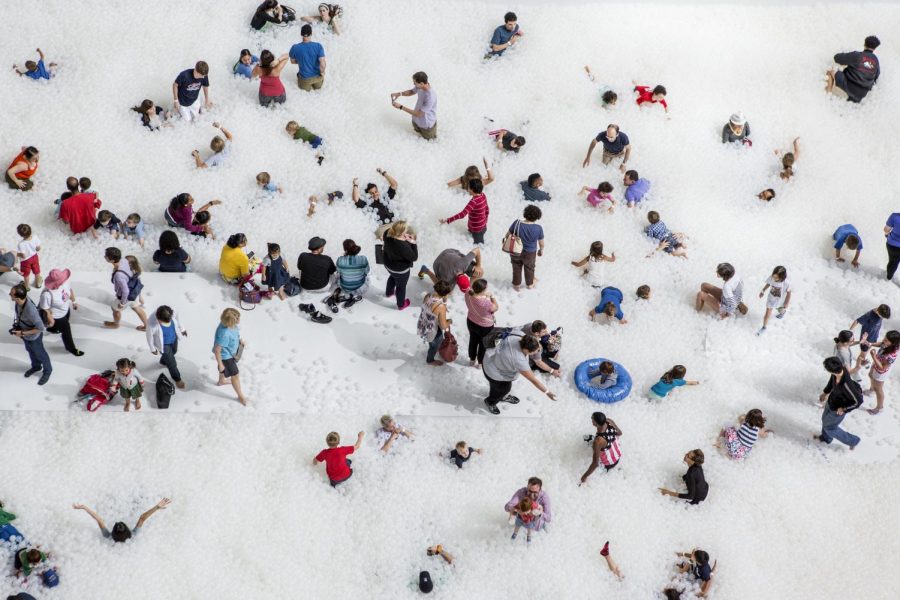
[336,298]
[314,315]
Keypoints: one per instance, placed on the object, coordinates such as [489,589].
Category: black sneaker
[317,317]
[45,377]
[307,308]
[332,300]
[320,159]
[78,353]
[32,371]
[492,408]
[511,399]
[351,301]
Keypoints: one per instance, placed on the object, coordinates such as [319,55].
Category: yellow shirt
[233,262]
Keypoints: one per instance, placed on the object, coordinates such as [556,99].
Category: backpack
[50,578]
[292,287]
[135,287]
[96,390]
[493,337]
[164,391]
[427,325]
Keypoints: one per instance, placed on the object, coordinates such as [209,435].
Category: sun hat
[738,118]
[56,278]
[316,243]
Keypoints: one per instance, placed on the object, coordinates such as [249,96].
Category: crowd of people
[502,353]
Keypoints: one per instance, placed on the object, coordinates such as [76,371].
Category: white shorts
[774,301]
[120,307]
[190,113]
[879,376]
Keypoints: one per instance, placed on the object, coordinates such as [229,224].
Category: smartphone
[251,254]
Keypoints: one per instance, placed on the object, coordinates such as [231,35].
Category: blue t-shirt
[502,36]
[219,157]
[614,147]
[637,190]
[41,73]
[703,573]
[893,222]
[229,339]
[271,187]
[168,333]
[307,55]
[245,70]
[661,388]
[841,234]
[610,294]
[189,87]
[871,324]
[531,234]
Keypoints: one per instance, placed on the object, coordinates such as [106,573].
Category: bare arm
[322,64]
[796,149]
[595,461]
[455,182]
[627,154]
[530,376]
[391,181]
[587,159]
[158,506]
[490,174]
[355,193]
[389,443]
[227,133]
[581,262]
[40,53]
[359,439]
[175,93]
[198,161]
[93,515]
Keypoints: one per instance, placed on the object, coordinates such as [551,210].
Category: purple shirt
[427,103]
[542,498]
[120,281]
[893,238]
[637,190]
[184,217]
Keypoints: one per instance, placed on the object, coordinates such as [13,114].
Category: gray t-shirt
[450,263]
[504,362]
[28,317]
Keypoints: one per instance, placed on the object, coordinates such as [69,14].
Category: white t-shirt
[595,271]
[219,157]
[57,301]
[383,435]
[777,292]
[28,248]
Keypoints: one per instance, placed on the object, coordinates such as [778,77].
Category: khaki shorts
[609,156]
[310,83]
[428,134]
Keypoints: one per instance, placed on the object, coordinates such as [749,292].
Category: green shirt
[304,134]
[6,518]
[27,567]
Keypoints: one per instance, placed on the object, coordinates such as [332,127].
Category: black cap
[316,243]
[425,584]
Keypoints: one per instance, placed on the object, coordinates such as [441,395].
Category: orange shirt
[27,173]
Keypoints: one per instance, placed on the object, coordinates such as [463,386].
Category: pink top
[595,197]
[480,310]
[271,86]
[887,359]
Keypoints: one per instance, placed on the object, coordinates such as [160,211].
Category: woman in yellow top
[234,264]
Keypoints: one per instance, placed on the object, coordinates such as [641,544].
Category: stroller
[95,391]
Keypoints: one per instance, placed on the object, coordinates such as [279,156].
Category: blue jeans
[168,360]
[831,429]
[434,345]
[8,531]
[39,357]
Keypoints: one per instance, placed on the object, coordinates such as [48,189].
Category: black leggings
[893,260]
[396,284]
[62,327]
[476,343]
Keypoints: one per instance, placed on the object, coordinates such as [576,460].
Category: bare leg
[127,404]
[613,566]
[142,316]
[829,77]
[878,388]
[766,317]
[236,384]
[137,403]
[114,324]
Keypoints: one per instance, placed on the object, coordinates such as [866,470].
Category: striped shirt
[612,453]
[747,434]
[352,271]
[732,295]
[480,310]
[477,209]
[887,359]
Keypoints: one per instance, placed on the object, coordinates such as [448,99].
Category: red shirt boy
[337,465]
[645,94]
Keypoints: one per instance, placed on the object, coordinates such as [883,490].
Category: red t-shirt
[79,211]
[336,462]
[645,94]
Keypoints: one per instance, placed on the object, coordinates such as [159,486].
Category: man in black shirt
[375,201]
[316,270]
[840,396]
[861,71]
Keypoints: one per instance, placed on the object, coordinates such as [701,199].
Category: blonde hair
[386,420]
[230,317]
[461,445]
[333,439]
[292,125]
[217,144]
[397,229]
[263,178]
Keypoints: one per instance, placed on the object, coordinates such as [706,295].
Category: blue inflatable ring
[615,393]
